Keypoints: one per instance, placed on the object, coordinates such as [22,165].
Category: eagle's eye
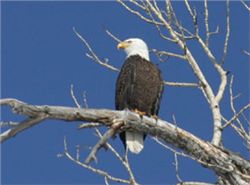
[129,41]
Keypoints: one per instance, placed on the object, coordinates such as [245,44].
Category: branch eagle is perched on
[139,88]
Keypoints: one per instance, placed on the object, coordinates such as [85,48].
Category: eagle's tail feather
[134,141]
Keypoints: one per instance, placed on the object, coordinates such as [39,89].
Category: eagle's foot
[155,117]
[140,113]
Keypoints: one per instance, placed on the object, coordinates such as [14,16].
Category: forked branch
[225,163]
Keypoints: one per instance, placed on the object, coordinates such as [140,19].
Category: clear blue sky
[42,57]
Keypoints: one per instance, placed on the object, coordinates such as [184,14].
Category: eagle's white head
[134,46]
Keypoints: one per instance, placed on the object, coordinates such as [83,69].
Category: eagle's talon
[155,117]
[140,113]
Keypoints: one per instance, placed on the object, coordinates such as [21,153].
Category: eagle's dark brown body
[139,86]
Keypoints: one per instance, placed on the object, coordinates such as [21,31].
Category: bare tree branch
[92,54]
[206,22]
[227,33]
[193,15]
[96,58]
[240,128]
[225,163]
[181,84]
[95,170]
[247,52]
[110,133]
[73,96]
[112,36]
[194,183]
[8,124]
[138,13]
[177,168]
[29,122]
[213,101]
[104,141]
[245,5]
[124,162]
[89,125]
[230,167]
[168,54]
[235,117]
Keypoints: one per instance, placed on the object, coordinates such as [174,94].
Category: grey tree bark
[231,168]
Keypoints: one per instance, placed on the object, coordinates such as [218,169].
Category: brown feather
[139,86]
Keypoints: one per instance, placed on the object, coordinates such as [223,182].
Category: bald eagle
[139,88]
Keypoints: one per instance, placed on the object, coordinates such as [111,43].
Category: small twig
[237,96]
[240,132]
[85,101]
[227,34]
[193,14]
[236,116]
[177,168]
[246,119]
[106,180]
[78,152]
[173,18]
[29,122]
[246,6]
[92,54]
[231,94]
[109,146]
[215,32]
[168,54]
[138,4]
[89,125]
[112,36]
[189,8]
[73,96]
[174,119]
[95,170]
[247,52]
[232,99]
[132,178]
[181,84]
[124,162]
[138,13]
[110,133]
[206,22]
[8,124]
[158,27]
[99,144]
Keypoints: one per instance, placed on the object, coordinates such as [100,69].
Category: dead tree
[230,168]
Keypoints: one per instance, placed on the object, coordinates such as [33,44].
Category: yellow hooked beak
[122,45]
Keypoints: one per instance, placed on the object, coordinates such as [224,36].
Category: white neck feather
[141,52]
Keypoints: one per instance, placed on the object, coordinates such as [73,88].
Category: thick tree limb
[224,163]
[194,183]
